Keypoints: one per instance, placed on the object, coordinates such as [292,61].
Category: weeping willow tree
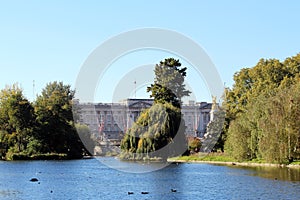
[159,130]
[263,110]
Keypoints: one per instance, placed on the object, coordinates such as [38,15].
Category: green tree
[194,145]
[281,136]
[169,82]
[17,121]
[87,138]
[237,143]
[53,109]
[159,131]
[259,114]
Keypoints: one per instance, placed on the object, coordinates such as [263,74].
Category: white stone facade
[108,121]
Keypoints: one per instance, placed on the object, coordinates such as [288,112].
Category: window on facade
[108,127]
[108,118]
[116,128]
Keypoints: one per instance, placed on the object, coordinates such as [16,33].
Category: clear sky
[49,41]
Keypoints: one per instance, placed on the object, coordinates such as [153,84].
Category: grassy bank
[204,157]
[223,159]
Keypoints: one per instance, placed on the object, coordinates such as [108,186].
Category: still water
[91,179]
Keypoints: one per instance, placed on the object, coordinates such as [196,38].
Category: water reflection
[275,173]
[172,172]
[132,167]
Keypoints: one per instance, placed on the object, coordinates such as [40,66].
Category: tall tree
[259,110]
[54,113]
[17,120]
[159,131]
[169,82]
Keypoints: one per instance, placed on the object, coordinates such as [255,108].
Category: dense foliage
[159,131]
[17,120]
[43,127]
[169,82]
[194,145]
[263,112]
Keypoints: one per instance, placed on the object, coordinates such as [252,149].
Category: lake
[91,179]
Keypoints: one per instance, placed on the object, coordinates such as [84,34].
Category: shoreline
[42,156]
[228,163]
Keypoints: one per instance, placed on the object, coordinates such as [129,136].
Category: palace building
[109,121]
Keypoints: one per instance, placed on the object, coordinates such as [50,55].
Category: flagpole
[134,88]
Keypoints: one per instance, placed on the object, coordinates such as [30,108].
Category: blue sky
[50,40]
